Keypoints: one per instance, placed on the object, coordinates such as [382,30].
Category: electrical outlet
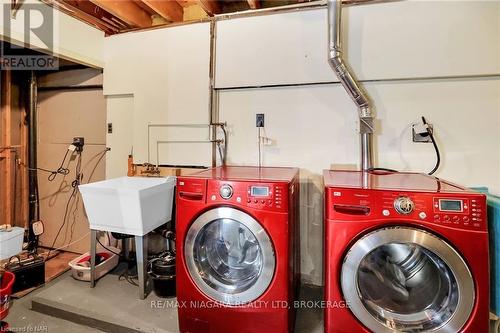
[259,120]
[110,128]
[37,228]
[79,142]
[420,133]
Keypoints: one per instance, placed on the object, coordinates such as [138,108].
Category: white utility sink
[129,205]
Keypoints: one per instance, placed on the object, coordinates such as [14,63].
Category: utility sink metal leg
[141,250]
[93,244]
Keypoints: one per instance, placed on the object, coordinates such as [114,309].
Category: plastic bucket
[5,291]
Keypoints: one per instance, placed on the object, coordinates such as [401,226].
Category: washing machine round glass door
[402,279]
[229,256]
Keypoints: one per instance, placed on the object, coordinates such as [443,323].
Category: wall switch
[110,128]
[259,120]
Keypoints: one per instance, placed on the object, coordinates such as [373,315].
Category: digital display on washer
[450,205]
[259,191]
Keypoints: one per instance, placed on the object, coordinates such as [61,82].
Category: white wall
[74,40]
[314,127]
[166,71]
[405,39]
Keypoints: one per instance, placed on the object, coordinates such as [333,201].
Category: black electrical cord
[129,278]
[382,169]
[125,275]
[74,185]
[106,248]
[438,155]
[436,148]
[60,170]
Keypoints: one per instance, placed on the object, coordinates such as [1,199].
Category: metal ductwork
[349,83]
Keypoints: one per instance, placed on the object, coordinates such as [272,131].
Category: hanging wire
[74,185]
[260,142]
[61,170]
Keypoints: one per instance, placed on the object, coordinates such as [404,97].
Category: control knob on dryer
[226,191]
[404,205]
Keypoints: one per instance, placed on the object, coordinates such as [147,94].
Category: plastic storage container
[82,273]
[129,205]
[11,242]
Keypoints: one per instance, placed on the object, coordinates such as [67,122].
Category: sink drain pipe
[350,84]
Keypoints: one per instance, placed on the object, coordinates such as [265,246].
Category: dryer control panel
[458,210]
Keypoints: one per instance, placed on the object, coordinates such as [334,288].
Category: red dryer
[405,252]
[237,244]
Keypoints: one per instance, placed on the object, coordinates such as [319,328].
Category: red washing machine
[405,252]
[237,244]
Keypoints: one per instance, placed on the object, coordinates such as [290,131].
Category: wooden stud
[211,7]
[6,141]
[127,11]
[254,4]
[170,10]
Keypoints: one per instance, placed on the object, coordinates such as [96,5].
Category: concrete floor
[113,306]
[67,305]
[22,319]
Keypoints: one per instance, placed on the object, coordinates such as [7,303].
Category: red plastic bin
[5,291]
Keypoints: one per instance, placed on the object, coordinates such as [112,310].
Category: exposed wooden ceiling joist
[186,3]
[170,10]
[114,16]
[254,4]
[211,7]
[126,10]
[87,12]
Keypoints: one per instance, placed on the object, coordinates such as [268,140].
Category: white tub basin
[129,205]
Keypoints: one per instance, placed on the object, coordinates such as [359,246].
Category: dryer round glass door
[407,280]
[229,256]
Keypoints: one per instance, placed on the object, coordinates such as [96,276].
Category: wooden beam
[127,11]
[211,7]
[254,4]
[87,12]
[91,13]
[170,10]
[6,180]
[186,3]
